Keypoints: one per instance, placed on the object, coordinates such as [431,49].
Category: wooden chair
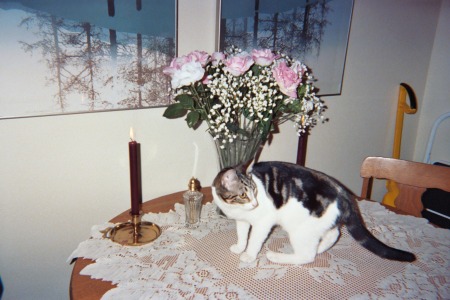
[412,178]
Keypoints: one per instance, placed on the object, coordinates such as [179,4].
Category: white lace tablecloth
[197,263]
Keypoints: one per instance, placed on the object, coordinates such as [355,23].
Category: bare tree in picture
[49,28]
[89,58]
[142,74]
[297,32]
[74,54]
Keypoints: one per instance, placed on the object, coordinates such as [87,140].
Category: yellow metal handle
[402,108]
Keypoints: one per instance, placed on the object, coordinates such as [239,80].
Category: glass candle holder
[193,203]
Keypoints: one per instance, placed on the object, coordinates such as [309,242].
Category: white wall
[61,175]
[436,100]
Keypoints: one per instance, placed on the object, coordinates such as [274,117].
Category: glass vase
[241,150]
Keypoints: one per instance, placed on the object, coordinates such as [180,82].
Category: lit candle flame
[131,133]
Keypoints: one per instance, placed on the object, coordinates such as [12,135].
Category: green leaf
[193,119]
[234,128]
[256,70]
[174,111]
[301,90]
[186,101]
[294,107]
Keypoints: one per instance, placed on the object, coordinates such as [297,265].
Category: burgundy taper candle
[135,174]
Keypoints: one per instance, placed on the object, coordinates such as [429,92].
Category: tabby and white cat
[308,204]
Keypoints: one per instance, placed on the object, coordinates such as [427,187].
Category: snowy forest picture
[64,56]
[313,31]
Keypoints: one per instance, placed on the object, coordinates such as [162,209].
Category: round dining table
[196,263]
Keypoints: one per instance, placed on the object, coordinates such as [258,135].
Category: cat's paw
[247,258]
[273,256]
[238,249]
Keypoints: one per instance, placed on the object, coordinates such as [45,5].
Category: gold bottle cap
[194,184]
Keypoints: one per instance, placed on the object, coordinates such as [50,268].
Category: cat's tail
[356,228]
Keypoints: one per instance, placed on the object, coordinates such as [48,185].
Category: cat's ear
[246,167]
[229,179]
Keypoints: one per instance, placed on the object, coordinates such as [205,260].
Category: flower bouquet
[242,97]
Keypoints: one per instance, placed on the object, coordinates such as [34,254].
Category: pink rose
[175,65]
[239,64]
[287,79]
[188,73]
[217,57]
[201,56]
[263,57]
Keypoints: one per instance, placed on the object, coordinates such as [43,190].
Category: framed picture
[67,56]
[312,31]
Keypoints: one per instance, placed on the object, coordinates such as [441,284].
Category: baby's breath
[253,101]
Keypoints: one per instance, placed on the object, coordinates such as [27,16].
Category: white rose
[188,73]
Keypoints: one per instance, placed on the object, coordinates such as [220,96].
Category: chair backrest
[412,178]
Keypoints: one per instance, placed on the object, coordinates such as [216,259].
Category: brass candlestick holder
[134,232]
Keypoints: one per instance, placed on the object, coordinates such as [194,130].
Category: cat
[311,206]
